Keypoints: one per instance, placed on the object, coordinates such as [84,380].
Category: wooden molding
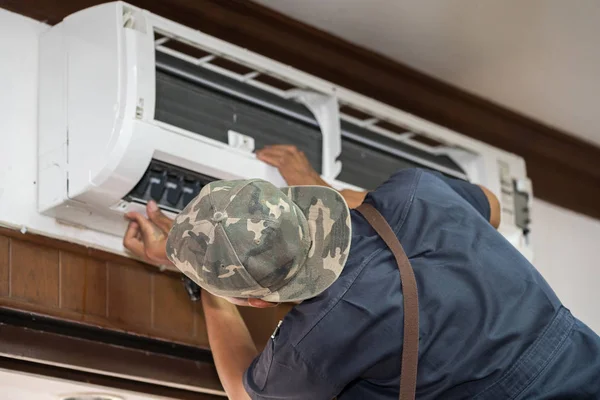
[80,250]
[62,305]
[109,360]
[565,170]
[28,367]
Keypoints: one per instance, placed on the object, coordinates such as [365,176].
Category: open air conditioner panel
[211,104]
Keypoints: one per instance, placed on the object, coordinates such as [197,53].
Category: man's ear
[259,303]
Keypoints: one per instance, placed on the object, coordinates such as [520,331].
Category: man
[491,327]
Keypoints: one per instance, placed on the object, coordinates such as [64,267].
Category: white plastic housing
[97,133]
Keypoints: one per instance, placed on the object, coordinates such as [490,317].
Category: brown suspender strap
[410,347]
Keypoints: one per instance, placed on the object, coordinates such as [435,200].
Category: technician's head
[253,243]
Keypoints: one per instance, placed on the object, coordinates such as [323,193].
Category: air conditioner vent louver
[181,48]
[274,82]
[355,113]
[171,187]
[232,66]
[226,65]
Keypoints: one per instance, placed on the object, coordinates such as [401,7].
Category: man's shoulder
[403,178]
[394,197]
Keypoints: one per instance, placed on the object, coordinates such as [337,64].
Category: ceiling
[22,386]
[538,57]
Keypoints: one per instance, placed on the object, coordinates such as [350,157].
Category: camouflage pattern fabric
[247,238]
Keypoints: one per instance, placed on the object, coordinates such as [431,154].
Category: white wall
[538,57]
[567,250]
[18,46]
[565,243]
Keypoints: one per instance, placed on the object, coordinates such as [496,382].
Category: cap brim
[328,218]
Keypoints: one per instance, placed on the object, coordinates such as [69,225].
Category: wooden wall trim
[565,170]
[85,309]
[90,252]
[20,317]
[34,368]
[109,360]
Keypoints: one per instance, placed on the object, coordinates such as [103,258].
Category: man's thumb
[157,217]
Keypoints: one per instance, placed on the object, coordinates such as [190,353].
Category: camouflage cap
[247,238]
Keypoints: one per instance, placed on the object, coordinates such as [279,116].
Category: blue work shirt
[490,326]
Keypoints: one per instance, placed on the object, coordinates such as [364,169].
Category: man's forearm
[495,211]
[353,198]
[230,342]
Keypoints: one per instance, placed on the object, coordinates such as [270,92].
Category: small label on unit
[240,142]
[120,206]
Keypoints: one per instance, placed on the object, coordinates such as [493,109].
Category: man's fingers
[150,232]
[282,148]
[275,151]
[300,157]
[277,155]
[270,158]
[132,231]
[159,219]
[132,241]
[151,246]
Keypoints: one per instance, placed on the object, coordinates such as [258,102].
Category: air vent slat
[391,127]
[231,66]
[274,82]
[355,113]
[185,48]
[426,140]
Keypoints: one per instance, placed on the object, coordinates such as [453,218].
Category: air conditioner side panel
[95,89]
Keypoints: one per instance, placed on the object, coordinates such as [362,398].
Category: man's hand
[147,237]
[296,170]
[292,164]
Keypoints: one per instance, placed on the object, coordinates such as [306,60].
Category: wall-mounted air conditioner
[136,107]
